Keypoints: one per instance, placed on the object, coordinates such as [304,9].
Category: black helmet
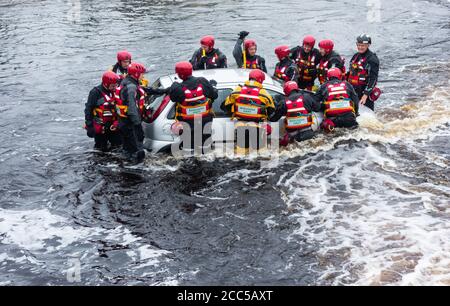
[364,39]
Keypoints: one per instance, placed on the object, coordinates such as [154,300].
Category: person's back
[298,107]
[251,105]
[339,101]
[193,98]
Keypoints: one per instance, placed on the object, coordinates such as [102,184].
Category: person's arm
[133,112]
[89,107]
[176,93]
[292,73]
[373,67]
[353,97]
[195,61]
[312,104]
[223,61]
[280,109]
[336,62]
[158,91]
[320,96]
[263,64]
[294,53]
[237,53]
[209,90]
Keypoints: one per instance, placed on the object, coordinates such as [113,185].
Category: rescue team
[116,108]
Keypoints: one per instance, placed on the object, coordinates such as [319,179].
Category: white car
[158,133]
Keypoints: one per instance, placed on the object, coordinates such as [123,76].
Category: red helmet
[282,52]
[327,44]
[109,78]
[123,56]
[334,73]
[290,87]
[136,70]
[208,41]
[257,75]
[309,40]
[183,69]
[249,43]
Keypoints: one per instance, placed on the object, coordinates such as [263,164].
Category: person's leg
[370,104]
[304,135]
[101,142]
[346,121]
[129,141]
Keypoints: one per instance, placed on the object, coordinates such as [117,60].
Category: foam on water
[40,232]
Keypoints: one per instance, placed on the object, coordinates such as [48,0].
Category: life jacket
[122,107]
[249,104]
[104,113]
[322,69]
[338,101]
[358,74]
[194,104]
[280,72]
[212,61]
[297,117]
[306,66]
[253,64]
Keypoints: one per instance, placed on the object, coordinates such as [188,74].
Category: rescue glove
[203,60]
[243,34]
[213,83]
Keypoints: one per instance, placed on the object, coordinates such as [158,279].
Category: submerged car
[158,131]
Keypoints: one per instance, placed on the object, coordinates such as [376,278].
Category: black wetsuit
[307,75]
[177,95]
[96,99]
[345,120]
[372,66]
[253,62]
[213,59]
[131,127]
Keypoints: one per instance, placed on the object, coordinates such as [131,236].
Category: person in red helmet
[248,59]
[339,101]
[330,59]
[252,106]
[286,69]
[100,113]
[208,57]
[130,100]
[193,98]
[363,72]
[307,58]
[298,107]
[121,67]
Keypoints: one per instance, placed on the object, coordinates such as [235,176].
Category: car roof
[224,77]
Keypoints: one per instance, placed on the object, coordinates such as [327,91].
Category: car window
[223,94]
[277,97]
[155,102]
[218,112]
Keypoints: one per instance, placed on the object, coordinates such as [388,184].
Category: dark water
[365,207]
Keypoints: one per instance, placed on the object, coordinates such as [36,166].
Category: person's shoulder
[96,90]
[373,57]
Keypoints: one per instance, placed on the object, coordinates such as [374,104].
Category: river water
[364,207]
